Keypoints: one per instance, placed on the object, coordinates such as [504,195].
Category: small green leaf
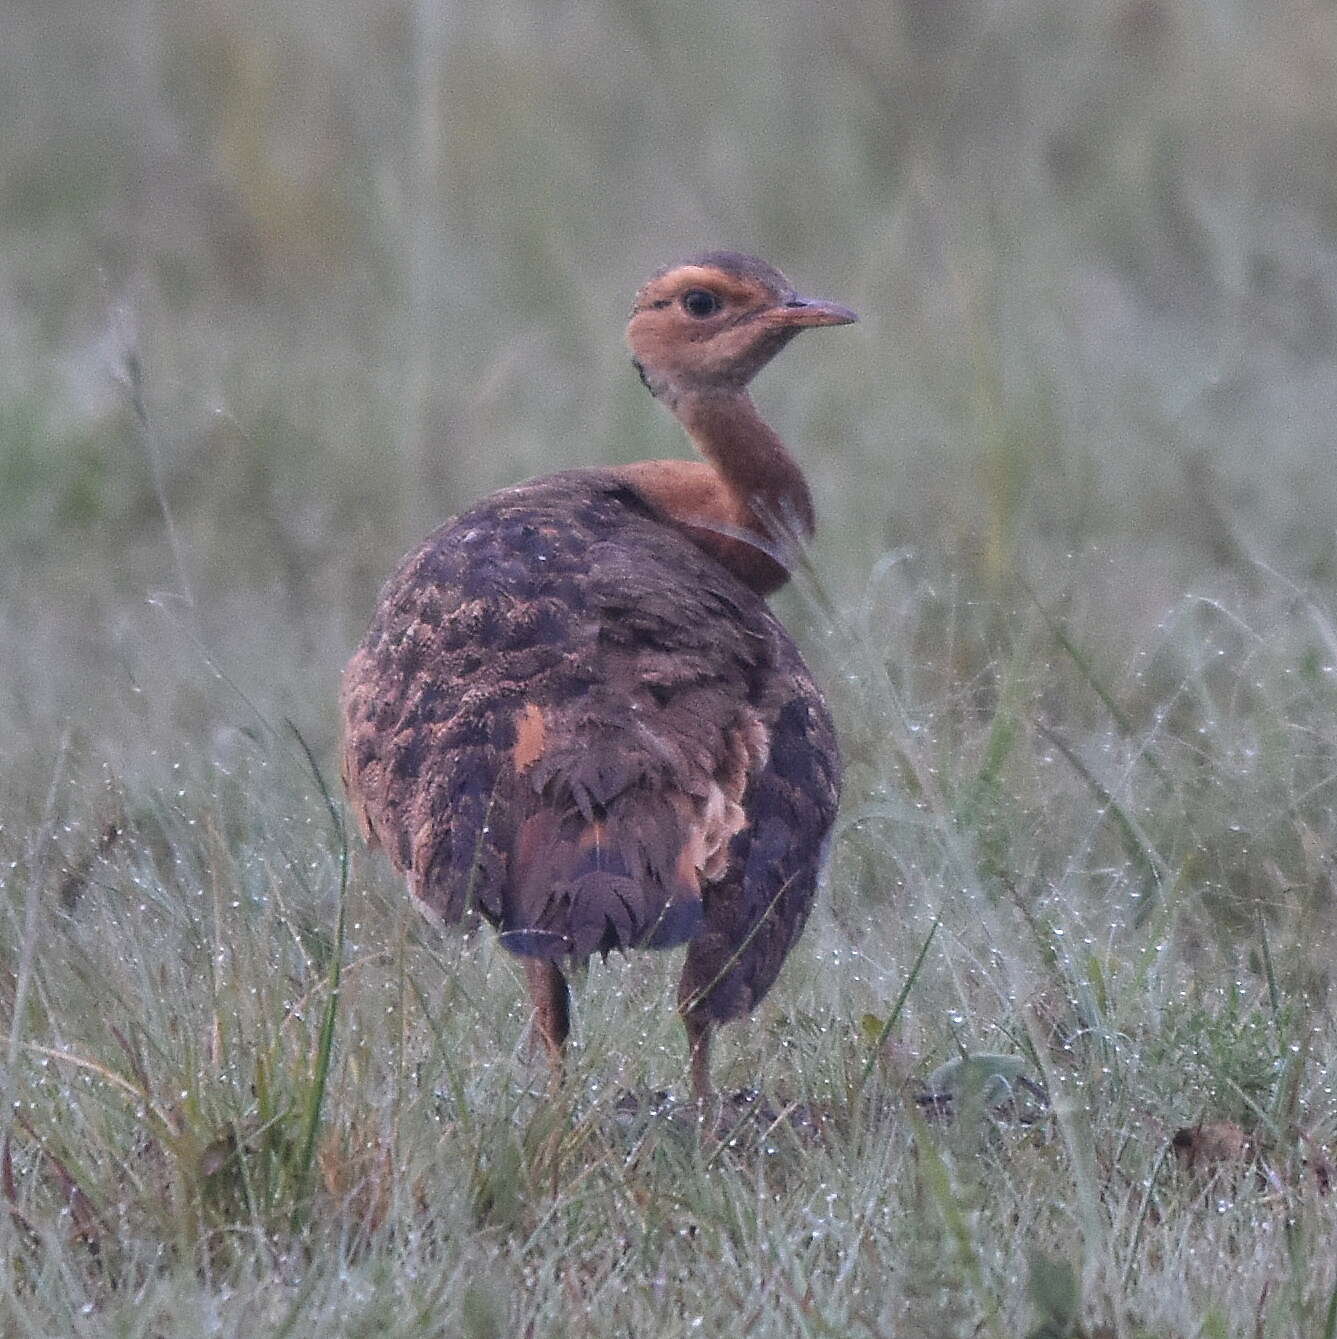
[980,1077]
[1055,1295]
[482,1311]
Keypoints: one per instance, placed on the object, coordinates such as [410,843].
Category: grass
[208,1138]
[281,290]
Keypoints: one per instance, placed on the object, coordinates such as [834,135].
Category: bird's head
[710,324]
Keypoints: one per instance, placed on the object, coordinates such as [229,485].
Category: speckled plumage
[568,716]
[574,712]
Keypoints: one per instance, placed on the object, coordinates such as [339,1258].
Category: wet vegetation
[282,287]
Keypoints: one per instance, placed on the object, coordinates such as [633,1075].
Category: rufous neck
[755,466]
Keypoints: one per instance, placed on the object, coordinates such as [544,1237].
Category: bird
[574,712]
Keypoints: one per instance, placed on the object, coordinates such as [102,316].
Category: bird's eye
[700,303]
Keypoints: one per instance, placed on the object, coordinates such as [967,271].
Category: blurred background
[282,286]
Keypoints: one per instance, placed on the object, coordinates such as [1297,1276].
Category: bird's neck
[754,464]
[747,504]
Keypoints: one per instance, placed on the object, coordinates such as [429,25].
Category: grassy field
[282,286]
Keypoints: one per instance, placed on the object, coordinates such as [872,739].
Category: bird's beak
[800,312]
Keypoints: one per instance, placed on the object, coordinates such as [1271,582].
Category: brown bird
[574,711]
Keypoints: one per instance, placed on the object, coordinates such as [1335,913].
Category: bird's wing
[554,717]
[756,912]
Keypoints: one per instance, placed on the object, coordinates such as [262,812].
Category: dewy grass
[325,1047]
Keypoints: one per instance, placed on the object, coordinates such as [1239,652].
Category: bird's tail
[582,884]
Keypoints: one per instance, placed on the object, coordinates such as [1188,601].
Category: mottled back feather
[572,719]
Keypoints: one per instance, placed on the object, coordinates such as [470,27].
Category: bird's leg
[552,1012]
[699,1031]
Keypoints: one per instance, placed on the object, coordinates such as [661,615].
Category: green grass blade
[310,1127]
[885,1031]
[1330,1320]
